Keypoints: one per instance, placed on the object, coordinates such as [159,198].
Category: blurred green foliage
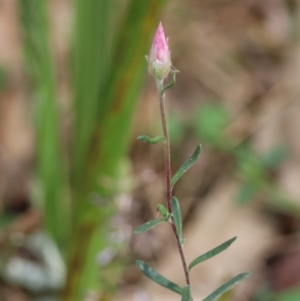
[106,67]
[40,67]
[288,295]
[265,294]
[254,171]
[2,78]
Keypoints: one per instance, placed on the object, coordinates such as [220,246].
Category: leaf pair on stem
[185,292]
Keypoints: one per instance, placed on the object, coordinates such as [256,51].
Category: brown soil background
[242,54]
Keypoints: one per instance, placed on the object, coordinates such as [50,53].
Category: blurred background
[75,182]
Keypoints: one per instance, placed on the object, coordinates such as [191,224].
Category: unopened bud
[159,63]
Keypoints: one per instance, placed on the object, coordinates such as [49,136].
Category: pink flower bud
[159,63]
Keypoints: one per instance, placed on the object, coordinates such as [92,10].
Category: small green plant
[159,65]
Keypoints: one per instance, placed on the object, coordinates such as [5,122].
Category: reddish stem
[168,177]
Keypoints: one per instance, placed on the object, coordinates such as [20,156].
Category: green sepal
[177,217]
[186,293]
[158,278]
[212,252]
[226,286]
[149,140]
[149,225]
[172,83]
[186,165]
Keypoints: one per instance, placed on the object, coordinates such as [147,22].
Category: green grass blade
[212,252]
[149,225]
[158,278]
[39,66]
[92,57]
[226,286]
[128,69]
[113,100]
[186,165]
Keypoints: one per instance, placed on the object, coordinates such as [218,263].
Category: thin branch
[161,93]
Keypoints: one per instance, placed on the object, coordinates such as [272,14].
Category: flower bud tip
[159,62]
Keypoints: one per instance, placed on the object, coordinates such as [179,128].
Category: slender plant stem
[159,84]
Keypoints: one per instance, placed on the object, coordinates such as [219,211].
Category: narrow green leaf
[149,225]
[149,140]
[212,252]
[226,286]
[40,69]
[186,165]
[186,293]
[177,217]
[163,210]
[158,278]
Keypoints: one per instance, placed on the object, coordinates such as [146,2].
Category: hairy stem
[161,92]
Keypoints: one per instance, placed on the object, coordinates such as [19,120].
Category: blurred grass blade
[149,225]
[186,165]
[40,67]
[158,278]
[226,286]
[92,55]
[212,252]
[109,49]
[124,84]
[177,217]
[149,140]
[186,293]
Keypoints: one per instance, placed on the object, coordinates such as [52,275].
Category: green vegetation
[106,68]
